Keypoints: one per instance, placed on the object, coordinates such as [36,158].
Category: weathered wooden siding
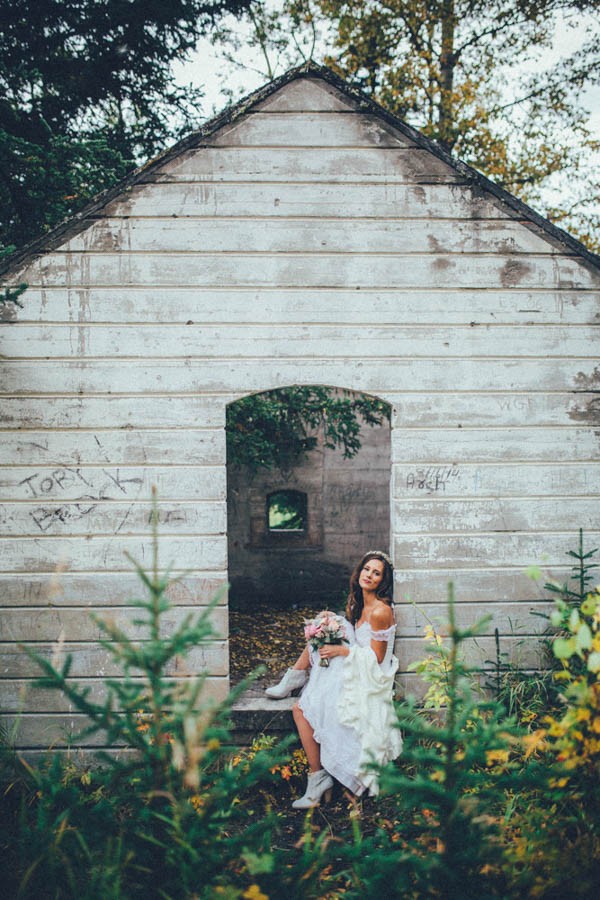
[307,242]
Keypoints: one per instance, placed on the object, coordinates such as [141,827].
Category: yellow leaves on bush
[433,669]
[496,757]
[574,735]
[254,893]
[143,721]
[535,742]
[429,634]
[198,801]
[556,728]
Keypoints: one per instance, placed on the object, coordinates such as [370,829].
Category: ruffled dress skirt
[339,745]
[359,692]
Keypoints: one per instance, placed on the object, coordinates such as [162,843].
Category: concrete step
[255,714]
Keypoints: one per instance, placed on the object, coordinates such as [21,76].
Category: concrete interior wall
[348,513]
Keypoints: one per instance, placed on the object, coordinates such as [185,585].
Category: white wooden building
[304,236]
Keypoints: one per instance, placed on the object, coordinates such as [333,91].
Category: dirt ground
[266,636]
[274,638]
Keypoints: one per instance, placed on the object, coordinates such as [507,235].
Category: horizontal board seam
[106,429]
[113,464]
[106,610]
[91,538]
[112,501]
[308,253]
[273,325]
[82,679]
[399,428]
[516,499]
[362,291]
[591,533]
[467,535]
[117,219]
[75,643]
[395,396]
[494,429]
[383,392]
[303,323]
[9,361]
[424,497]
[123,532]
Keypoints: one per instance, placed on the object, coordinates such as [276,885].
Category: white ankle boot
[319,783]
[291,681]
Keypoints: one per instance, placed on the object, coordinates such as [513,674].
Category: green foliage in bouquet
[170,815]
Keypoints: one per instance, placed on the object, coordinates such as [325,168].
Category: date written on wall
[432,479]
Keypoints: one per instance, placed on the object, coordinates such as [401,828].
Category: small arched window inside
[286,511]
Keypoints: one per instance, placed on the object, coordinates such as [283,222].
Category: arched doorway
[300,516]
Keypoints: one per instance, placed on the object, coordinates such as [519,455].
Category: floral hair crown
[380,555]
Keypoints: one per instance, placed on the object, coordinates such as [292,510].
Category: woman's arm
[381,618]
[328,651]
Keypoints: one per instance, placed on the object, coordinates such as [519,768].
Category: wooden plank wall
[307,242]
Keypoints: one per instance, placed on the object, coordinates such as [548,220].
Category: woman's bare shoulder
[382,616]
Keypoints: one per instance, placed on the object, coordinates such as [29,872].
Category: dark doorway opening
[296,528]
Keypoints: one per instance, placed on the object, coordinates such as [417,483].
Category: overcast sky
[208,69]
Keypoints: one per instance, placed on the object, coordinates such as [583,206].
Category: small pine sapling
[448,791]
[167,814]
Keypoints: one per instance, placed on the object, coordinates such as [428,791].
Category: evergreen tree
[87,90]
[171,814]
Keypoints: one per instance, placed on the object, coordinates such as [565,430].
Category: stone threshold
[255,714]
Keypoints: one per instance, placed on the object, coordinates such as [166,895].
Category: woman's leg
[307,738]
[303,661]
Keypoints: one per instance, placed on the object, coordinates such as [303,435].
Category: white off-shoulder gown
[349,706]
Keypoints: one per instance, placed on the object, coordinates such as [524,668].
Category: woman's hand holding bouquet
[326,628]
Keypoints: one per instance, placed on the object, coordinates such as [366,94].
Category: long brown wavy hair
[385,591]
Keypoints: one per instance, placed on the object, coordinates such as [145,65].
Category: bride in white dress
[345,718]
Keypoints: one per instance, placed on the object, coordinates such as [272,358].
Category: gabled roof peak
[78,222]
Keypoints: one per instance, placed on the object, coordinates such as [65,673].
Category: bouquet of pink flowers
[325,628]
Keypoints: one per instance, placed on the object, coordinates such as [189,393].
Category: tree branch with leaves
[279,428]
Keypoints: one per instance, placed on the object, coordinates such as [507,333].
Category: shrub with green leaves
[278,428]
[552,839]
[576,733]
[446,796]
[531,695]
[477,806]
